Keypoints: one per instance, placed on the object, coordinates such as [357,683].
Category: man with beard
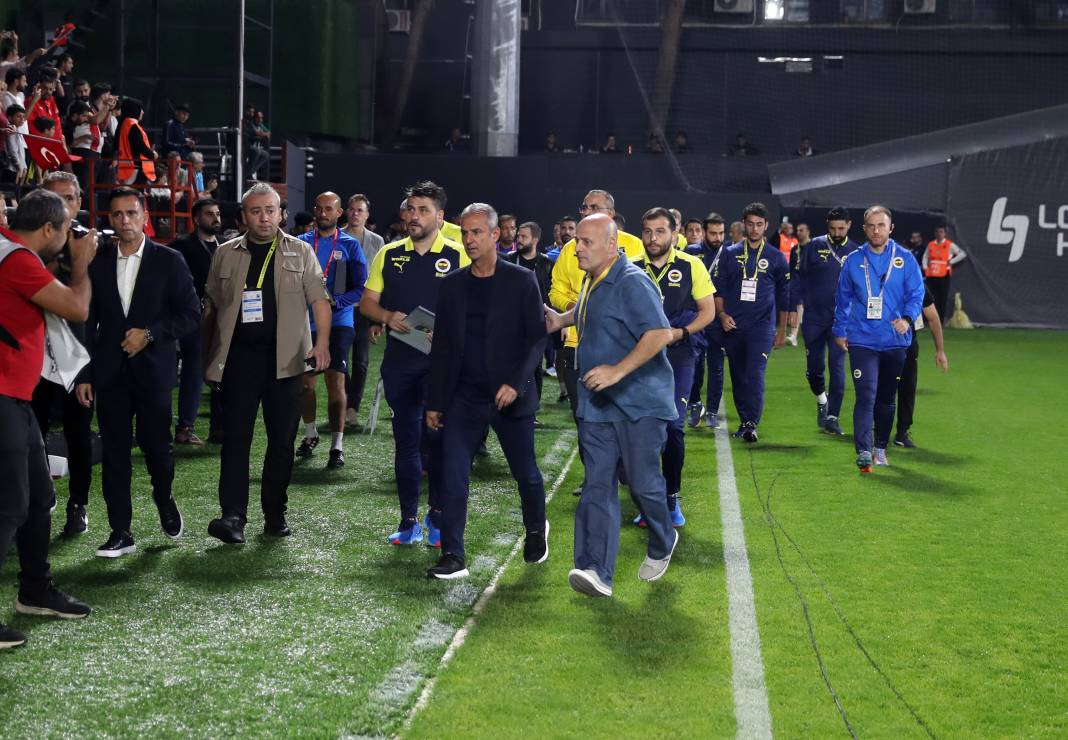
[528,256]
[712,353]
[357,213]
[687,292]
[509,228]
[197,249]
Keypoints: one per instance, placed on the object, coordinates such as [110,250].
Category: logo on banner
[1012,229]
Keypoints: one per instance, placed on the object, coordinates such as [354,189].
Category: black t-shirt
[474,375]
[263,333]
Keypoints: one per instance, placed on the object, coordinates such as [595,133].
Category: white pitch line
[487,594]
[750,693]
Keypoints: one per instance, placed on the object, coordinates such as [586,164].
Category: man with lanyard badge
[686,290]
[753,279]
[818,265]
[344,272]
[405,275]
[880,296]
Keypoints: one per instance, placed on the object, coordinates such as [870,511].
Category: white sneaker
[588,582]
[792,339]
[879,457]
[351,419]
[652,570]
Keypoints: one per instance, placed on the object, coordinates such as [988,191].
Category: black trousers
[117,404]
[906,387]
[248,381]
[48,397]
[27,495]
[361,355]
[939,288]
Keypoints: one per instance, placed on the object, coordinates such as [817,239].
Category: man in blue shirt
[818,265]
[752,279]
[345,272]
[625,401]
[708,251]
[880,296]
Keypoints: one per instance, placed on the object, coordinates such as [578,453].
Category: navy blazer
[163,301]
[515,337]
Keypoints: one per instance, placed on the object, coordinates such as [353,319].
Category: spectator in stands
[15,149]
[63,95]
[204,189]
[80,90]
[46,106]
[9,53]
[653,145]
[15,92]
[137,159]
[77,120]
[551,144]
[804,149]
[682,143]
[258,140]
[742,147]
[610,145]
[456,141]
[175,137]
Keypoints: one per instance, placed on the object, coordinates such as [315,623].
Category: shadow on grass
[933,457]
[913,481]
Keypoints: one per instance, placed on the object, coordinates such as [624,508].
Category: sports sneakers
[337,459]
[118,544]
[821,415]
[677,519]
[307,447]
[832,426]
[433,534]
[77,520]
[879,457]
[410,535]
[749,433]
[448,568]
[588,582]
[10,638]
[652,570]
[904,440]
[536,546]
[50,602]
[711,420]
[697,412]
[864,462]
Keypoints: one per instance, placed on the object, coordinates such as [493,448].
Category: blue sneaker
[410,536]
[433,534]
[711,421]
[821,414]
[864,462]
[697,412]
[639,521]
[677,519]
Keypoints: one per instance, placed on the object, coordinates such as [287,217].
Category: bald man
[625,400]
[345,272]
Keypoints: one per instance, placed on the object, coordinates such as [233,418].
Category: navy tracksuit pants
[675,449]
[405,392]
[748,351]
[875,377]
[820,344]
[713,356]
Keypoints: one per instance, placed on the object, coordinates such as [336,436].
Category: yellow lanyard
[756,271]
[266,262]
[657,278]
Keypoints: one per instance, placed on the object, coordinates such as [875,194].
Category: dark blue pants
[675,449]
[405,392]
[466,423]
[748,351]
[713,357]
[819,341]
[191,383]
[875,377]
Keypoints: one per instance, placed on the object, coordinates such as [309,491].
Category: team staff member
[567,281]
[880,294]
[818,266]
[527,255]
[708,251]
[751,279]
[357,213]
[624,406]
[143,303]
[804,236]
[405,275]
[345,271]
[938,260]
[38,233]
[489,335]
[906,387]
[258,344]
[688,304]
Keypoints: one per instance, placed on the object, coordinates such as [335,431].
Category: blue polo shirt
[612,314]
[330,250]
[894,273]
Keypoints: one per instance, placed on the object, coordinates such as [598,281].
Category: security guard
[818,265]
[753,278]
[708,252]
[567,281]
[880,295]
[687,292]
[938,261]
[405,275]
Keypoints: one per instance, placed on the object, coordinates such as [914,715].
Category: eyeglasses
[593,208]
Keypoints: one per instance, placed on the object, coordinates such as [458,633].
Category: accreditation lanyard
[252,299]
[749,284]
[875,302]
[838,258]
[330,258]
[650,270]
[583,307]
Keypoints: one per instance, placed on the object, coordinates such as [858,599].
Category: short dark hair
[79,106]
[360,197]
[44,123]
[303,218]
[47,74]
[201,204]
[568,218]
[697,221]
[100,88]
[838,213]
[713,218]
[13,109]
[182,107]
[131,108]
[37,209]
[79,83]
[12,74]
[428,189]
[755,209]
[506,217]
[124,192]
[621,222]
[535,230]
[661,212]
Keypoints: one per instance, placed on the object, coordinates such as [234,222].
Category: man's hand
[506,395]
[83,250]
[727,322]
[601,377]
[780,338]
[135,341]
[321,354]
[942,361]
[84,393]
[433,420]
[554,321]
[842,342]
[395,321]
[900,325]
[374,333]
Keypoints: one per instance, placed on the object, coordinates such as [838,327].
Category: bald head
[327,210]
[595,243]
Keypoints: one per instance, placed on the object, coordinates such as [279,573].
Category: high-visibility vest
[938,254]
[786,244]
[127,167]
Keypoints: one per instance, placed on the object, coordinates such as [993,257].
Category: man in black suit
[143,302]
[489,334]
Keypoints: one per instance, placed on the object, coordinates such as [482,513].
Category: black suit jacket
[197,255]
[163,302]
[515,337]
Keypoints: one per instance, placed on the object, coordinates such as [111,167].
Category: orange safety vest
[126,166]
[938,254]
[786,244]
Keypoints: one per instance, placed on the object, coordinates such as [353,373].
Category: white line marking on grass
[491,588]
[750,693]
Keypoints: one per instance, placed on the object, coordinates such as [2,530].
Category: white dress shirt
[126,269]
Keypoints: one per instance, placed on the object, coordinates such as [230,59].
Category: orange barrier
[180,200]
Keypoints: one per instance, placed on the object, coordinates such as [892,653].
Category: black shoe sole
[223,534]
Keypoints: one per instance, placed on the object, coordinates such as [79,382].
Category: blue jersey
[340,254]
[703,252]
[768,267]
[895,275]
[817,266]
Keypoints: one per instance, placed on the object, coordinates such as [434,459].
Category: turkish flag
[48,153]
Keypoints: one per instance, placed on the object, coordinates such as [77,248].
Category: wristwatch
[148,336]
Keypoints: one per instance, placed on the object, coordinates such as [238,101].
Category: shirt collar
[242,243]
[437,246]
[140,253]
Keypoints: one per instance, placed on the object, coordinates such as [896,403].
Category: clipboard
[420,321]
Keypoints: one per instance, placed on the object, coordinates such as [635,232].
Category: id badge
[749,290]
[252,307]
[875,308]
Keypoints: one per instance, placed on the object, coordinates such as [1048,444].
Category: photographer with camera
[38,232]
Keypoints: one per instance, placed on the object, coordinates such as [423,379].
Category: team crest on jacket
[442,265]
[762,264]
[674,276]
[899,262]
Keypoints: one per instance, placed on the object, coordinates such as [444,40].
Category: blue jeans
[191,380]
[405,392]
[819,342]
[875,376]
